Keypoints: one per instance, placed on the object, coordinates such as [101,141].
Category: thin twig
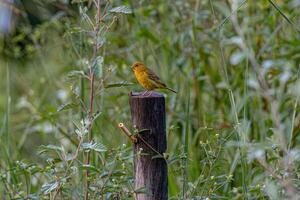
[148,145]
[125,130]
[134,138]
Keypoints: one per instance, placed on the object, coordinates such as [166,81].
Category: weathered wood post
[148,114]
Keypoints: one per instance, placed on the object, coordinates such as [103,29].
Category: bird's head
[136,65]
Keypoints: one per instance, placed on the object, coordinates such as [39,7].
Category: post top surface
[149,94]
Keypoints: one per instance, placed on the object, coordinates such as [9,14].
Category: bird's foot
[145,92]
[150,92]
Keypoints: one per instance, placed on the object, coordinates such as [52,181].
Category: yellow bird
[147,78]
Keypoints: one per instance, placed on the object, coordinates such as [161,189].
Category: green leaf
[78,1]
[143,131]
[49,147]
[113,173]
[90,168]
[49,187]
[97,66]
[118,84]
[101,41]
[76,74]
[174,159]
[157,156]
[66,106]
[96,115]
[98,147]
[237,57]
[141,190]
[121,9]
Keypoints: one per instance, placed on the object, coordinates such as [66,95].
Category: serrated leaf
[86,146]
[121,9]
[97,66]
[118,84]
[98,147]
[49,187]
[66,106]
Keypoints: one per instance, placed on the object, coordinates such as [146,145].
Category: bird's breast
[143,79]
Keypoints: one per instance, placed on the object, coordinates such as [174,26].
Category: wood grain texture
[148,112]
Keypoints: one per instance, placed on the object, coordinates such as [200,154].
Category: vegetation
[233,128]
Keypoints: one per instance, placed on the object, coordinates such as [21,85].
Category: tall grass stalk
[7,114]
[6,133]
[186,147]
[293,116]
[241,138]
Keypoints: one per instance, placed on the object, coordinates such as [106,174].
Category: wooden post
[148,116]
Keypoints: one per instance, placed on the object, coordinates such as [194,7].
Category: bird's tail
[171,90]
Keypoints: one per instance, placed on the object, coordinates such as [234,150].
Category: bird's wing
[152,75]
[155,78]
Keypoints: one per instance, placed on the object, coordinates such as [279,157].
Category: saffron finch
[147,78]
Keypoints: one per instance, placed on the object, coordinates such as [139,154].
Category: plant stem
[186,148]
[90,114]
[87,162]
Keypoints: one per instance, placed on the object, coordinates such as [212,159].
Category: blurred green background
[232,128]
